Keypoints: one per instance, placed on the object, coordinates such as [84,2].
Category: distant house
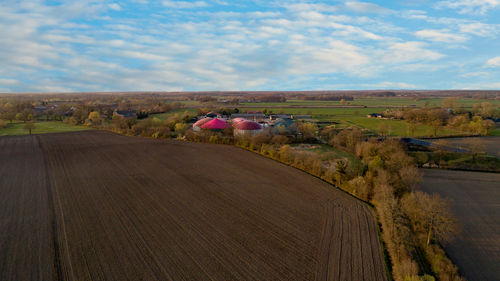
[126,113]
[40,109]
[375,115]
[277,116]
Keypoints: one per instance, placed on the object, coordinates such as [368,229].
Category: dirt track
[97,206]
[476,204]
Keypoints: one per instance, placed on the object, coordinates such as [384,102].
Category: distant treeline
[326,97]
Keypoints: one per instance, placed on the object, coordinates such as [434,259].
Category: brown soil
[491,143]
[97,206]
[476,203]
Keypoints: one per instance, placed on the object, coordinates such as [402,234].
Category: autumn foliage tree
[430,216]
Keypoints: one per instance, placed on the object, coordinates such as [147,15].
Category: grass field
[180,111]
[98,206]
[381,102]
[357,117]
[41,127]
[495,132]
[476,203]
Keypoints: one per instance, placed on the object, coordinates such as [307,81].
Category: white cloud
[479,86]
[5,82]
[364,7]
[442,35]
[494,62]
[411,51]
[184,4]
[337,56]
[391,85]
[115,7]
[299,7]
[480,29]
[469,6]
[200,49]
[475,74]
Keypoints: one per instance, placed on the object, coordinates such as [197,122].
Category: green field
[43,127]
[180,111]
[396,127]
[356,116]
[320,112]
[495,132]
[397,101]
[347,117]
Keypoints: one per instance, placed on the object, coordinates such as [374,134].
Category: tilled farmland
[476,203]
[97,206]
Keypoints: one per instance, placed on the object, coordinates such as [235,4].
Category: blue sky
[144,45]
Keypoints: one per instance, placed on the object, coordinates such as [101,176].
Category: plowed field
[476,203]
[97,206]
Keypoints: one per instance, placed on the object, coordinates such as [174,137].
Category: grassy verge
[457,161]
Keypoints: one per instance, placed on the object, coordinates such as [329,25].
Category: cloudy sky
[90,45]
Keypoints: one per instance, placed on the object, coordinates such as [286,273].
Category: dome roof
[215,124]
[247,125]
[237,120]
[201,121]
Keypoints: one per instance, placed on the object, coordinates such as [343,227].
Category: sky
[223,45]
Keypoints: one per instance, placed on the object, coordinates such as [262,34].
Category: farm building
[211,114]
[249,116]
[247,128]
[375,115]
[215,124]
[197,124]
[284,126]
